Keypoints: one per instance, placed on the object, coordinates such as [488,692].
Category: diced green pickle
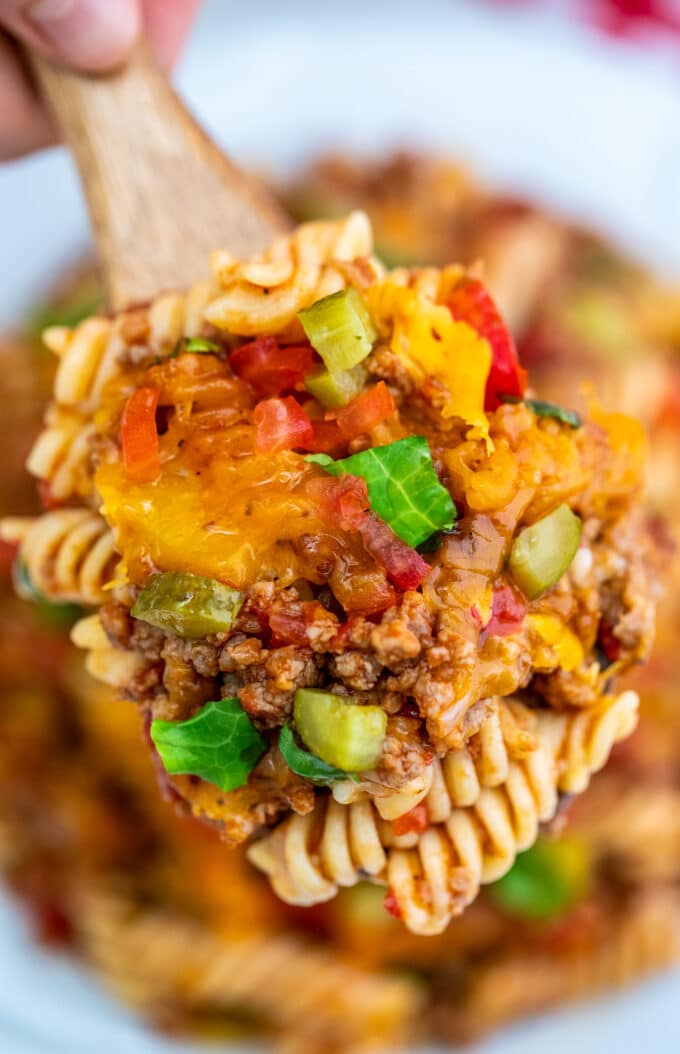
[340,328]
[344,734]
[188,605]
[542,553]
[335,388]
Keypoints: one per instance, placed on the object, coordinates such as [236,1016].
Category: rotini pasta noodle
[107,664]
[61,454]
[434,875]
[156,959]
[69,553]
[458,778]
[264,296]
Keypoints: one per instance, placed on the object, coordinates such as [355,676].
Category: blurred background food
[185,932]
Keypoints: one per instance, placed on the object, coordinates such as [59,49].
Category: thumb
[93,35]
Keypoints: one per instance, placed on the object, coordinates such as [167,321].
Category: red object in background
[471,302]
[630,17]
[269,368]
[139,435]
[282,424]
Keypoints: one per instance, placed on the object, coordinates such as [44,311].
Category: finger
[167,25]
[24,125]
[93,35]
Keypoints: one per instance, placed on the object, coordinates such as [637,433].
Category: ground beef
[405,755]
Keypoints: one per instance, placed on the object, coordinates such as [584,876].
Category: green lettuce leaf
[403,487]
[219,743]
[305,764]
[542,408]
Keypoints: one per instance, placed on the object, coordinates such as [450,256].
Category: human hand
[91,35]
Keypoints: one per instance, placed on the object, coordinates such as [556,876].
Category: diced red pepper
[8,553]
[508,611]
[415,821]
[139,435]
[404,566]
[471,302]
[342,500]
[610,644]
[365,411]
[269,368]
[392,905]
[282,424]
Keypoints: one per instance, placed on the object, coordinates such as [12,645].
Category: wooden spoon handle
[161,195]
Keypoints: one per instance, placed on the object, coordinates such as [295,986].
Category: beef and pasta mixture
[357,575]
[108,867]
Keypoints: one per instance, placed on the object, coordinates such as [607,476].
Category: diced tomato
[364,412]
[342,500]
[471,302]
[328,439]
[282,424]
[47,498]
[508,611]
[611,645]
[392,905]
[404,566]
[288,628]
[415,821]
[139,435]
[269,368]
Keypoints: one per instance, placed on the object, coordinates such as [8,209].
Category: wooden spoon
[161,194]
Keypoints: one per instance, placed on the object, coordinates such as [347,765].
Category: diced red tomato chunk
[471,302]
[415,821]
[392,905]
[343,500]
[404,566]
[269,368]
[611,645]
[365,411]
[508,611]
[281,424]
[139,435]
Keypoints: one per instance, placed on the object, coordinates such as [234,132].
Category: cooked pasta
[634,943]
[69,553]
[163,962]
[433,875]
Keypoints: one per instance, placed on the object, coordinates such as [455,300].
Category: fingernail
[90,34]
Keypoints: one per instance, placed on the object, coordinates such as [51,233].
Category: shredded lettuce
[305,764]
[403,487]
[219,743]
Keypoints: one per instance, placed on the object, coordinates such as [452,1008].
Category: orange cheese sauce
[217,508]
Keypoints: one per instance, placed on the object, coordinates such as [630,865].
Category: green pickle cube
[340,328]
[335,388]
[542,553]
[344,734]
[188,605]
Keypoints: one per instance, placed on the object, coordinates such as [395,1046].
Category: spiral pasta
[264,295]
[434,875]
[90,355]
[458,778]
[640,941]
[159,959]
[69,553]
